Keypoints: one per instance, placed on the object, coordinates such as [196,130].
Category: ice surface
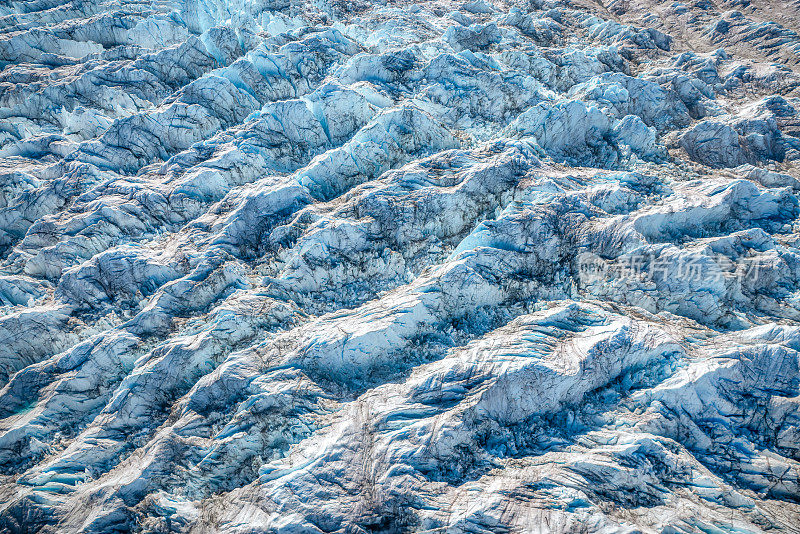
[483,266]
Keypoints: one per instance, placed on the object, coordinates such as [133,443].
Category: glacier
[294,266]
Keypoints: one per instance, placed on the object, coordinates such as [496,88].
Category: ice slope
[440,266]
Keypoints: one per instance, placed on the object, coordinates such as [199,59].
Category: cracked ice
[289,266]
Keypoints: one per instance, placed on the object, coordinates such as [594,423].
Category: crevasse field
[327,266]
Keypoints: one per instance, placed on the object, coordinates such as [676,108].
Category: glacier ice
[471,266]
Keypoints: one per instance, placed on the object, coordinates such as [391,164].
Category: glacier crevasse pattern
[284,266]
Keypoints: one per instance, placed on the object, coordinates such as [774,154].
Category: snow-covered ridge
[472,266]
